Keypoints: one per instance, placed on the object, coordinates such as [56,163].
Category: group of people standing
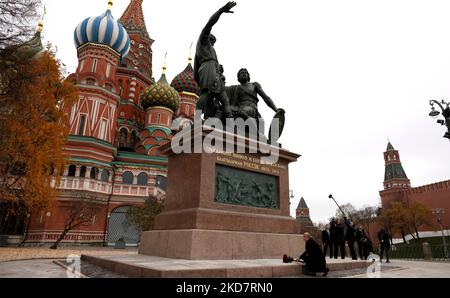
[334,237]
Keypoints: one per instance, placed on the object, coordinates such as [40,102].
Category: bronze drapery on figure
[217,100]
[207,71]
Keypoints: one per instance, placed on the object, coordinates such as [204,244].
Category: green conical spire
[302,204]
[390,147]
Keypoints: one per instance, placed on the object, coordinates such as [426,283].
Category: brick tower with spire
[394,175]
[302,216]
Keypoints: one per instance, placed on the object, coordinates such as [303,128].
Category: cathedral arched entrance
[120,228]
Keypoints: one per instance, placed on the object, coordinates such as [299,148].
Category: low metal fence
[416,252]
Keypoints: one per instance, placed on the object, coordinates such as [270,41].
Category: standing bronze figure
[207,72]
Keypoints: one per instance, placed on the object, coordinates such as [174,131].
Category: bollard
[427,251]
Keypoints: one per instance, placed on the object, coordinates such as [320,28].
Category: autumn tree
[17,19]
[406,217]
[394,218]
[419,215]
[32,124]
[144,216]
[77,213]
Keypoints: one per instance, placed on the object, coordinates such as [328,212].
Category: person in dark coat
[326,240]
[360,236]
[351,237]
[313,257]
[367,248]
[339,239]
[385,244]
[332,234]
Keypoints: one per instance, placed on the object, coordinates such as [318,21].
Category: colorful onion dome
[162,95]
[184,82]
[103,30]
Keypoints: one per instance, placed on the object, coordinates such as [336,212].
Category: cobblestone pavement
[26,253]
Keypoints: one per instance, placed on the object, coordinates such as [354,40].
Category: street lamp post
[445,113]
[439,212]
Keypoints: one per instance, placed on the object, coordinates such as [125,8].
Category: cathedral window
[82,125]
[105,176]
[108,70]
[72,171]
[83,172]
[94,65]
[103,126]
[158,119]
[142,179]
[123,136]
[90,82]
[94,173]
[127,178]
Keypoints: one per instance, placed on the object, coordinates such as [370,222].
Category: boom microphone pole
[331,197]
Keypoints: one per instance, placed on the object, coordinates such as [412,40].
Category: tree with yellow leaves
[32,125]
[406,217]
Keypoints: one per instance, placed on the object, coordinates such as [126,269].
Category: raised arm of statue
[214,19]
[264,96]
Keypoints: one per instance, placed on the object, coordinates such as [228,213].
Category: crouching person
[313,257]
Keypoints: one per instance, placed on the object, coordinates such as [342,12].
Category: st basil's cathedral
[123,116]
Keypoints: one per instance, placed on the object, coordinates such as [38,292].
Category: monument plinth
[225,205]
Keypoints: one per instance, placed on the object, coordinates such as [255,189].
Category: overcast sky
[350,75]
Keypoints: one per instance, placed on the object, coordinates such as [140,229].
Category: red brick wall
[435,195]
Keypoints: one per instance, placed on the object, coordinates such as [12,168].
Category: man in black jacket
[385,244]
[350,236]
[313,257]
[326,240]
[339,239]
[332,235]
[360,239]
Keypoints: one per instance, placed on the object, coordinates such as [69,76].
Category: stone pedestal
[225,206]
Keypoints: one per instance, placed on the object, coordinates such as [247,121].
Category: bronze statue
[245,96]
[206,69]
[244,100]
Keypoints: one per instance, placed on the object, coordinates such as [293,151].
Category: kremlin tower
[394,175]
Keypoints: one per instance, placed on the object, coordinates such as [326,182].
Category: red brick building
[397,186]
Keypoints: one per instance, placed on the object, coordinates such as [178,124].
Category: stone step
[140,266]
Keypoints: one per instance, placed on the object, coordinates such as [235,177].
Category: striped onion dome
[103,30]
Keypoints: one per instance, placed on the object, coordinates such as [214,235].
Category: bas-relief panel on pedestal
[246,188]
